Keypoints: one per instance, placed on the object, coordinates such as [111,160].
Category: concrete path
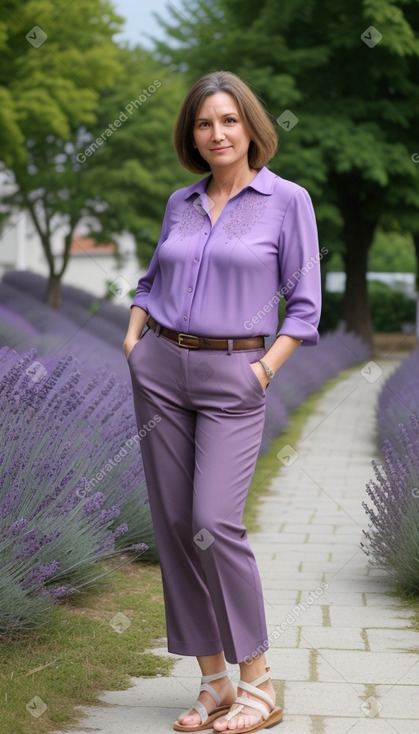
[343,655]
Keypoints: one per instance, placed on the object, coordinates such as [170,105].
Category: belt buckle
[180,336]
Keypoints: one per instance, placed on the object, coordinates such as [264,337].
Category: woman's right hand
[138,320]
[129,344]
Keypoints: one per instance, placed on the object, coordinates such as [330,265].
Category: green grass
[78,653]
[415,621]
[413,603]
[75,655]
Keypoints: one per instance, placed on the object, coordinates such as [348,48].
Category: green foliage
[52,88]
[136,169]
[390,309]
[392,252]
[84,128]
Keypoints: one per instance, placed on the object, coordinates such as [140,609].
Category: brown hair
[264,142]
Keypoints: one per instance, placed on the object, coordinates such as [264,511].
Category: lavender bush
[392,538]
[69,464]
[399,399]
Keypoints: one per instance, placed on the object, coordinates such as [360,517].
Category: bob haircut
[264,141]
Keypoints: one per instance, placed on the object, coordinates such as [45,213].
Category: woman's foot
[246,716]
[225,690]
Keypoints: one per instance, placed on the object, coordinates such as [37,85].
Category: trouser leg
[168,453]
[228,435]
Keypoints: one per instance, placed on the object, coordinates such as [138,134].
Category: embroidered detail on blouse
[248,211]
[193,218]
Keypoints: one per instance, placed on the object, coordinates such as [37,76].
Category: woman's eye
[230,119]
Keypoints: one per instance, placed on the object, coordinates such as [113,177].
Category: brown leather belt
[190,341]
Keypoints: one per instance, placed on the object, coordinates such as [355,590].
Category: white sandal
[206,718]
[270,716]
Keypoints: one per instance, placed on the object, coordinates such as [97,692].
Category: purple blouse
[226,280]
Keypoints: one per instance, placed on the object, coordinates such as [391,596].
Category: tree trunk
[358,233]
[54,291]
[356,310]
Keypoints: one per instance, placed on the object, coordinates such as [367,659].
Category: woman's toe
[190,720]
[220,724]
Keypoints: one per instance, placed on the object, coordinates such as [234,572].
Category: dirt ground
[386,344]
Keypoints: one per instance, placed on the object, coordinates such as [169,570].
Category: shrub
[398,399]
[61,428]
[390,309]
[392,540]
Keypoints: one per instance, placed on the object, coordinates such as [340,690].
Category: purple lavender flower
[120,530]
[392,538]
[38,576]
[111,514]
[94,503]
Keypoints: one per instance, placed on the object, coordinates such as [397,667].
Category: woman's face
[219,132]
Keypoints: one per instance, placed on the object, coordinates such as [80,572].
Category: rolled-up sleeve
[147,280]
[299,264]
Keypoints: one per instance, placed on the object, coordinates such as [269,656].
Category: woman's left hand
[260,373]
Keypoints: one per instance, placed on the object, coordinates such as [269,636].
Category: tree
[55,60]
[136,169]
[347,73]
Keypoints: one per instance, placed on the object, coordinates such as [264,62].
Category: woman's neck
[225,183]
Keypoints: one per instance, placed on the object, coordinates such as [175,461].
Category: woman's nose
[217,132]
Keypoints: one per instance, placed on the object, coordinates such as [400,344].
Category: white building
[91,267]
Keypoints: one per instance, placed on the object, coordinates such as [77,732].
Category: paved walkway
[342,650]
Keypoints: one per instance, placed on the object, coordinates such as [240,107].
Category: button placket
[195,265]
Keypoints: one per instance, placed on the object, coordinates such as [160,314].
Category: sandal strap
[212,692]
[251,688]
[246,701]
[263,678]
[198,706]
[201,710]
[214,676]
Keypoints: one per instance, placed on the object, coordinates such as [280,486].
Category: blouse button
[189,290]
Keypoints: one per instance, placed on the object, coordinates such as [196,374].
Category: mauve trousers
[198,460]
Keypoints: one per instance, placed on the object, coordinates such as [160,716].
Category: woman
[208,299]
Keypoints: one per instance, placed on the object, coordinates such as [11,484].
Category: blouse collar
[263,182]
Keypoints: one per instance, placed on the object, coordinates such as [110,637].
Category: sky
[139,19]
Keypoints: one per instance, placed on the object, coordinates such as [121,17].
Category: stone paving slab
[368,667]
[399,701]
[343,725]
[376,600]
[369,617]
[287,639]
[276,613]
[333,639]
[323,699]
[341,598]
[393,639]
